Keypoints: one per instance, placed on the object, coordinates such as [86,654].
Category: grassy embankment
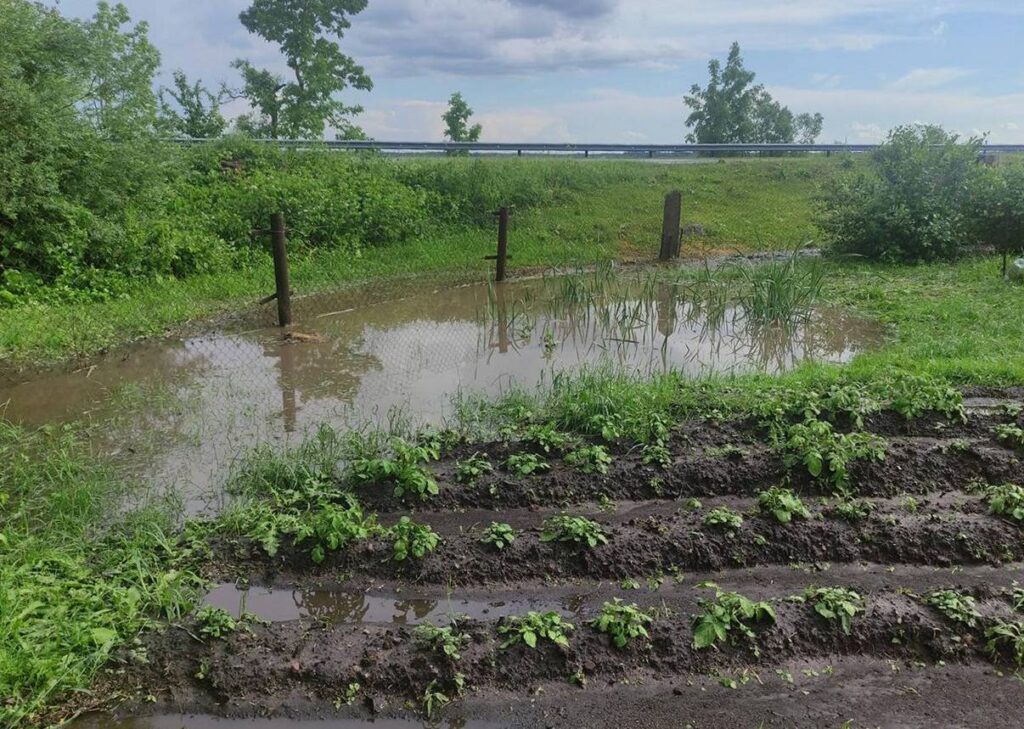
[594,211]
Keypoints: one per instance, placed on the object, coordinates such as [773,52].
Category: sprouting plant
[447,641]
[546,438]
[434,697]
[728,451]
[782,504]
[534,626]
[656,454]
[692,504]
[622,622]
[412,540]
[472,468]
[331,527]
[576,529]
[1009,634]
[499,535]
[590,459]
[215,622]
[1007,500]
[835,603]
[824,453]
[910,504]
[404,471]
[852,509]
[956,606]
[724,517]
[728,617]
[1010,435]
[525,464]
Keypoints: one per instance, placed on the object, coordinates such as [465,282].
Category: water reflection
[177,412]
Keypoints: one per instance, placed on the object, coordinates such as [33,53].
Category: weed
[726,451]
[412,540]
[782,504]
[472,468]
[499,535]
[534,626]
[835,603]
[728,617]
[1007,500]
[447,641]
[525,464]
[575,529]
[724,517]
[956,606]
[622,622]
[589,459]
[214,622]
[1011,436]
[404,471]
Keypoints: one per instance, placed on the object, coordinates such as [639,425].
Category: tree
[731,108]
[456,121]
[76,95]
[197,111]
[303,106]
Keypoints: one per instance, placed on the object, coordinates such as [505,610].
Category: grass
[74,587]
[742,204]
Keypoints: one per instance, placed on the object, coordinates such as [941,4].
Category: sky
[617,70]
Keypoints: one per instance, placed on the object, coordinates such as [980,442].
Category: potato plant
[526,464]
[623,623]
[589,459]
[838,604]
[724,517]
[955,606]
[470,470]
[533,627]
[782,504]
[577,530]
[728,619]
[499,535]
[412,540]
[404,471]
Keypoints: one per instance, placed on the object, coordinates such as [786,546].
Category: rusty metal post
[499,269]
[670,231]
[284,295]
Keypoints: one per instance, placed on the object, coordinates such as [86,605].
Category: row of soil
[652,544]
[264,667]
[912,465]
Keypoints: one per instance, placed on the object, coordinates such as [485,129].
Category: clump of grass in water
[780,291]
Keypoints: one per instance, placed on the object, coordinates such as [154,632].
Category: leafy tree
[731,108]
[456,121]
[76,94]
[304,105]
[195,112]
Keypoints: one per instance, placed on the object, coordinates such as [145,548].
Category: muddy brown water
[175,412]
[337,607]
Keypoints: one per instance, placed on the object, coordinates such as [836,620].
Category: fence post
[284,294]
[499,269]
[670,231]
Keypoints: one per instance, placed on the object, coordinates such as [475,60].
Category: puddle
[338,607]
[176,412]
[185,721]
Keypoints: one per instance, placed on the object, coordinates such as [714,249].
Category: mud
[339,642]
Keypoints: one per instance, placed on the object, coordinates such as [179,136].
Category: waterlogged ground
[336,644]
[176,412]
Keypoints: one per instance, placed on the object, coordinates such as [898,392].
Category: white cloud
[925,79]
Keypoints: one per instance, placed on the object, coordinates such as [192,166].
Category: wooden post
[670,232]
[284,296]
[499,269]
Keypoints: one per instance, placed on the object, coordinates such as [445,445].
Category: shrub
[575,529]
[535,626]
[997,207]
[622,622]
[912,205]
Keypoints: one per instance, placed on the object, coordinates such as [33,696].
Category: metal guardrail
[585,149]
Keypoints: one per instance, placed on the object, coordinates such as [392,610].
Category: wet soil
[339,642]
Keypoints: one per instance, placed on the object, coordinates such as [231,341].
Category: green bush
[913,204]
